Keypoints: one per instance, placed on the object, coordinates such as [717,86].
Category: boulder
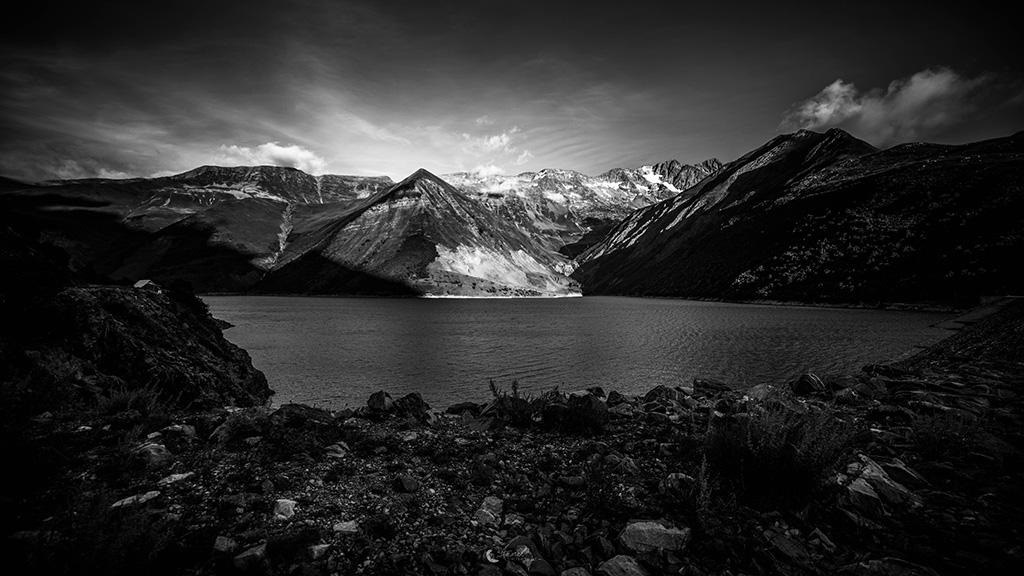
[621,565]
[380,401]
[489,513]
[253,560]
[649,536]
[405,484]
[300,416]
[347,528]
[153,455]
[807,384]
[284,509]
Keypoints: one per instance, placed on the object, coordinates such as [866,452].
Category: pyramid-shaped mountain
[418,237]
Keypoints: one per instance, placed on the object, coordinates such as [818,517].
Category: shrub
[776,455]
[512,407]
[145,399]
[945,433]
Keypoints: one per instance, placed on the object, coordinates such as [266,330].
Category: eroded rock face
[419,237]
[107,338]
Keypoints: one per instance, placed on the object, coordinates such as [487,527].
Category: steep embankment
[64,342]
[827,218]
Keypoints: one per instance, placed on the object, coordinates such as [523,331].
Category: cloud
[481,145]
[908,109]
[523,158]
[489,170]
[273,154]
[484,120]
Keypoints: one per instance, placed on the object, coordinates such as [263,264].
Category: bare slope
[828,218]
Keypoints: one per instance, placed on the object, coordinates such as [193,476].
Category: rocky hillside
[828,218]
[65,342]
[420,236]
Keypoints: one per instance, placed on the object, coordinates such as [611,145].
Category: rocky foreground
[912,469]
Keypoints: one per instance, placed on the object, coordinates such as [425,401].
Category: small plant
[777,456]
[945,433]
[512,407]
[144,399]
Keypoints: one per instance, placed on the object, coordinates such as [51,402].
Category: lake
[335,352]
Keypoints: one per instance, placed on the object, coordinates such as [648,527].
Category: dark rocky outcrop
[827,218]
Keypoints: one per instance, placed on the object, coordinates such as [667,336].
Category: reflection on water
[335,352]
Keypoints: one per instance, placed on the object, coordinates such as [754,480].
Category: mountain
[561,208]
[421,236]
[829,218]
[219,228]
[225,229]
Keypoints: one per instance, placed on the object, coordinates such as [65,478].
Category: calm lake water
[335,352]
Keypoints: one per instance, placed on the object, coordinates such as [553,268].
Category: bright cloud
[488,170]
[273,154]
[908,109]
[489,144]
[523,158]
[484,120]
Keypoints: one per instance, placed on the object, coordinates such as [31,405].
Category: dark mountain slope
[825,217]
[63,340]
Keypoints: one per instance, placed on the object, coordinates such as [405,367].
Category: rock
[489,513]
[807,384]
[405,484]
[411,405]
[225,545]
[380,402]
[253,560]
[703,387]
[578,571]
[887,567]
[588,411]
[459,408]
[135,500]
[621,565]
[676,482]
[615,398]
[318,551]
[484,424]
[284,509]
[347,528]
[175,478]
[153,455]
[864,498]
[906,476]
[891,492]
[793,551]
[573,482]
[541,567]
[300,416]
[647,536]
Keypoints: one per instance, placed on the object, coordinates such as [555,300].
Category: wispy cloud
[273,154]
[492,143]
[908,109]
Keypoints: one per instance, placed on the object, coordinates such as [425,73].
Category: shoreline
[923,477]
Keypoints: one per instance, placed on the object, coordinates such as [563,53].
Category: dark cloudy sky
[381,87]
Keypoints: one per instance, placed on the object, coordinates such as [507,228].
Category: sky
[140,89]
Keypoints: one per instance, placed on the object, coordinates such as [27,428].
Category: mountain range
[806,217]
